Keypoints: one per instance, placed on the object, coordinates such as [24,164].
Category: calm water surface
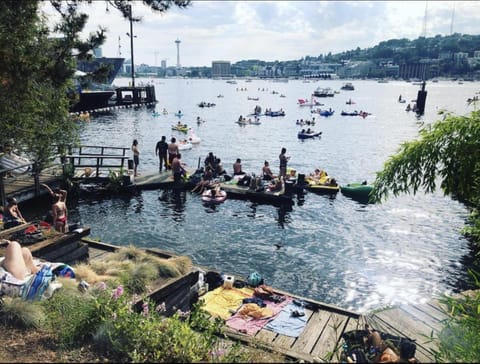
[336,250]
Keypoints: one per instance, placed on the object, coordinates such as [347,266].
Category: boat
[353,113]
[323,185]
[179,114]
[359,191]
[214,196]
[95,96]
[350,102]
[326,112]
[347,87]
[275,113]
[308,135]
[323,92]
[183,128]
[205,104]
[252,98]
[305,102]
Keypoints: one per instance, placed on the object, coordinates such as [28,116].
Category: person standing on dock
[172,151]
[161,150]
[59,209]
[178,169]
[136,157]
[283,162]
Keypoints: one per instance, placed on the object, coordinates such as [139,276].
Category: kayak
[357,191]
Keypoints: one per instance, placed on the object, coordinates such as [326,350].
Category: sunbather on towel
[18,260]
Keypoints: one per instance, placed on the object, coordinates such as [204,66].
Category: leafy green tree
[37,69]
[447,153]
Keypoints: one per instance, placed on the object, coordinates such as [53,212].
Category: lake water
[336,250]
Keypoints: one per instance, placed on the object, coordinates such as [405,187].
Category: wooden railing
[100,158]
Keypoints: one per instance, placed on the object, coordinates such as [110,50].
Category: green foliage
[459,339]
[72,317]
[19,313]
[449,150]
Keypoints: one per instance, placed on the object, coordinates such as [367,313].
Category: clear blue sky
[274,30]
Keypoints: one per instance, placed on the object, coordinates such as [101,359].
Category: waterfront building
[221,69]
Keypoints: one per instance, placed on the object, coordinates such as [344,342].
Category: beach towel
[220,301]
[250,325]
[286,323]
[38,283]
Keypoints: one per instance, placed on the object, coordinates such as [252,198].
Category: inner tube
[208,196]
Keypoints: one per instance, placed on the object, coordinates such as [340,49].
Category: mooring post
[421,98]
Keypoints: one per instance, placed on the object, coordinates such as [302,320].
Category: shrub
[19,313]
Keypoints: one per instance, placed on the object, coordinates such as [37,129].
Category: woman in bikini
[59,209]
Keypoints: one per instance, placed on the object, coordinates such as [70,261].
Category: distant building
[164,63]
[221,69]
[460,55]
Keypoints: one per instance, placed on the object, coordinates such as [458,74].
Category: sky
[272,30]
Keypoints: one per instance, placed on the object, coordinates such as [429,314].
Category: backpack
[254,279]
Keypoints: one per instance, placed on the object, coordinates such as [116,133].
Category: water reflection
[175,200]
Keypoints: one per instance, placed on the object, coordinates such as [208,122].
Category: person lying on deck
[18,260]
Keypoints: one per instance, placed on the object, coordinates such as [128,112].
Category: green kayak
[357,191]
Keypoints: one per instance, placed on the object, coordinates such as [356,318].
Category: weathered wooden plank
[422,354]
[325,347]
[315,326]
[408,326]
[266,336]
[435,312]
[416,312]
[286,342]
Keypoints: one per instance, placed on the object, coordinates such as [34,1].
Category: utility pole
[131,46]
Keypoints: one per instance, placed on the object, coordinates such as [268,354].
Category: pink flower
[118,292]
[161,307]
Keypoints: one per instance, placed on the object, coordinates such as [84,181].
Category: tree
[447,153]
[36,72]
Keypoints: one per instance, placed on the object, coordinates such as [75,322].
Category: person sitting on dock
[210,161]
[219,170]
[12,215]
[205,181]
[237,167]
[267,173]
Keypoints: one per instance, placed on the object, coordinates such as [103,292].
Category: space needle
[177,42]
